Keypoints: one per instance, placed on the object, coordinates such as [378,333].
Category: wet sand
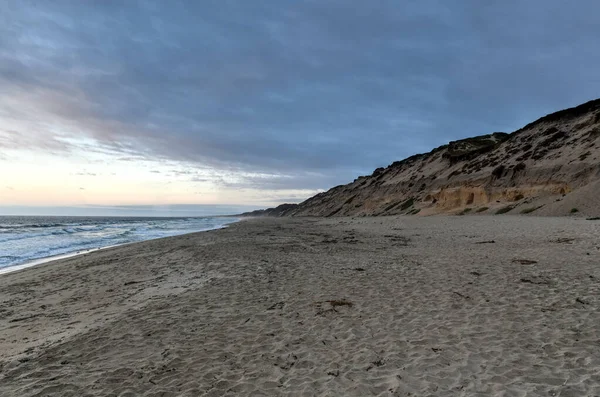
[394,306]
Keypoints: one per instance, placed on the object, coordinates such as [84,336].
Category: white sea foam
[27,239]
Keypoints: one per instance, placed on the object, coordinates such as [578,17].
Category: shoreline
[41,261]
[66,255]
[440,306]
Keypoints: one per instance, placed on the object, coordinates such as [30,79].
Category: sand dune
[549,167]
[390,306]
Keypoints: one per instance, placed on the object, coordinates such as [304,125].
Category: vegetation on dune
[466,149]
[498,171]
[407,204]
[392,205]
[504,210]
[530,210]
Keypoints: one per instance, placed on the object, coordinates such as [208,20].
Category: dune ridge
[549,167]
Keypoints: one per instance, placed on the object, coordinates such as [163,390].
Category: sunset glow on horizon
[153,103]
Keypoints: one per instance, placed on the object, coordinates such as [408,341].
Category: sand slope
[338,307]
[554,157]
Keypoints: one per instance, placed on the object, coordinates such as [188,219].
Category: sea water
[25,239]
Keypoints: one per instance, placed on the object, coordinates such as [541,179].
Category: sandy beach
[391,306]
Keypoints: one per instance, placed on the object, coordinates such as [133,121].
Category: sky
[162,105]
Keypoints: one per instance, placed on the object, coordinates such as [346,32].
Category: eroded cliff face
[552,157]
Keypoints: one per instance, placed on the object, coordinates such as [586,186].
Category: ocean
[24,239]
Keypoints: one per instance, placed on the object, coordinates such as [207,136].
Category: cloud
[182,172]
[199,179]
[274,182]
[309,93]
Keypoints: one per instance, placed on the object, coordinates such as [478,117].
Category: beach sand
[395,306]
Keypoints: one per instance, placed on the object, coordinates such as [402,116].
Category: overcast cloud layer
[316,90]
